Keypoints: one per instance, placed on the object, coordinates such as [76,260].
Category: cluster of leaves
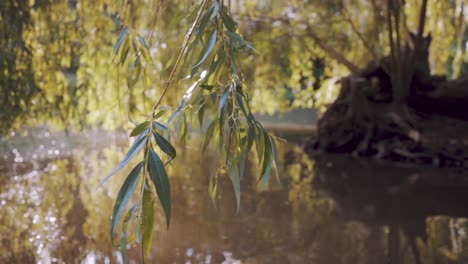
[218,96]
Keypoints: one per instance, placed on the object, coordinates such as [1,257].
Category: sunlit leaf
[138,129]
[123,196]
[121,38]
[234,176]
[160,126]
[208,48]
[164,145]
[147,220]
[125,50]
[161,182]
[134,149]
[216,6]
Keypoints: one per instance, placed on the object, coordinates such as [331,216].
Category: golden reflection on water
[52,212]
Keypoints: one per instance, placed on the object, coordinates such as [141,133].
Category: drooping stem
[183,50]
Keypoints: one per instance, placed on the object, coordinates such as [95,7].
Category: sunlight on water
[53,213]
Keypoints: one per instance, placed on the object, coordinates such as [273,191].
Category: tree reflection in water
[331,210]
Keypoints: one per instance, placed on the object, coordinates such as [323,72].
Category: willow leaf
[123,196]
[223,103]
[227,19]
[160,126]
[134,149]
[165,145]
[207,51]
[124,237]
[267,161]
[147,220]
[274,157]
[234,176]
[208,135]
[138,129]
[161,183]
[120,39]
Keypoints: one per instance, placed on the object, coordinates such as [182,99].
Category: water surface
[329,210]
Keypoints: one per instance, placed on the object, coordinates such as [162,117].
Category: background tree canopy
[56,56]
[79,64]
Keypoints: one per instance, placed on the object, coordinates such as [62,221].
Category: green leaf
[161,183]
[147,220]
[223,103]
[160,126]
[201,114]
[124,53]
[260,145]
[134,149]
[204,21]
[164,145]
[144,48]
[238,42]
[209,47]
[216,6]
[124,195]
[234,176]
[242,160]
[208,135]
[138,129]
[121,38]
[183,130]
[267,161]
[227,19]
[124,237]
[274,157]
[250,137]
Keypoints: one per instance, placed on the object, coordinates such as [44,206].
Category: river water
[329,210]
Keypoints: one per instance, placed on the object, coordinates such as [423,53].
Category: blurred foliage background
[57,65]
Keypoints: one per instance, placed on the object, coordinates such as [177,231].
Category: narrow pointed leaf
[160,126]
[164,145]
[123,196]
[223,103]
[234,176]
[274,158]
[147,220]
[138,129]
[183,130]
[242,160]
[260,145]
[207,51]
[208,135]
[267,161]
[134,149]
[124,240]
[161,183]
[144,48]
[227,20]
[121,38]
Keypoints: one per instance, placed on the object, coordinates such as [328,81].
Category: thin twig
[179,58]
